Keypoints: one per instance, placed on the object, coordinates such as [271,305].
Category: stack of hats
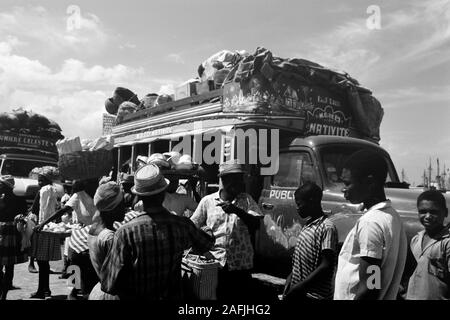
[172,160]
[120,96]
[159,160]
[163,98]
[149,101]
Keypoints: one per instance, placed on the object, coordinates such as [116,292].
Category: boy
[373,255]
[431,249]
[314,256]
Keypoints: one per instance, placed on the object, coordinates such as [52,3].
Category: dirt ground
[27,283]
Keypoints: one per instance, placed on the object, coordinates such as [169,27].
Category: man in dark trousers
[233,216]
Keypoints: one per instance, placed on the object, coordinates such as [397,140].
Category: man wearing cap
[145,258]
[10,238]
[232,215]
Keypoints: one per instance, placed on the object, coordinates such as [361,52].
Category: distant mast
[425,183]
[429,174]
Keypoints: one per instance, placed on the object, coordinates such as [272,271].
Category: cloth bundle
[271,81]
[68,145]
[124,109]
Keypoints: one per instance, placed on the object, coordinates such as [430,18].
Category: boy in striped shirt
[314,259]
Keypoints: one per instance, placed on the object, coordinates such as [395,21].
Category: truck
[27,140]
[286,127]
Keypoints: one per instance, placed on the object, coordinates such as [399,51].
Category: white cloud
[79,113]
[73,96]
[418,33]
[408,96]
[44,29]
[175,57]
[167,89]
[127,46]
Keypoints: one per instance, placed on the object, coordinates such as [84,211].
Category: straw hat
[142,159]
[149,181]
[159,160]
[172,157]
[229,167]
[184,162]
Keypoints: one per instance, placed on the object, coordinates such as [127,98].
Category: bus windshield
[21,167]
[334,157]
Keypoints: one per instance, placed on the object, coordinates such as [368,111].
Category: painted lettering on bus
[281,194]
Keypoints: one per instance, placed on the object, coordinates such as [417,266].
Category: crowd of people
[135,234]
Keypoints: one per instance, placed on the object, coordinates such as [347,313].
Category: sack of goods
[50,172]
[200,277]
[84,159]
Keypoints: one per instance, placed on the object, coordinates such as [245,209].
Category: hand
[38,228]
[207,230]
[294,294]
[228,207]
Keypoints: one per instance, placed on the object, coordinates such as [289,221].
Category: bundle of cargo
[27,132]
[120,95]
[331,102]
[50,171]
[61,229]
[86,159]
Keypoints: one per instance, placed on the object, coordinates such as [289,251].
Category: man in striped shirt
[314,259]
[145,258]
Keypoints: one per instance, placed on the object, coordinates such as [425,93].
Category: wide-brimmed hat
[184,162]
[159,160]
[230,167]
[172,157]
[148,181]
[142,159]
[8,181]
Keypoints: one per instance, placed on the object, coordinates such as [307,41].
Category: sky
[66,71]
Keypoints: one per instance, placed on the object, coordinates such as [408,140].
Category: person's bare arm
[324,268]
[56,215]
[369,278]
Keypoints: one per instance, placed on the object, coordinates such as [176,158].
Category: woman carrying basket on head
[45,246]
[10,239]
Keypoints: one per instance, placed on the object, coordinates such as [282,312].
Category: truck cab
[318,159]
[19,166]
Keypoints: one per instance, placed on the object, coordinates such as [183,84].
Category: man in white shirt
[178,203]
[373,255]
